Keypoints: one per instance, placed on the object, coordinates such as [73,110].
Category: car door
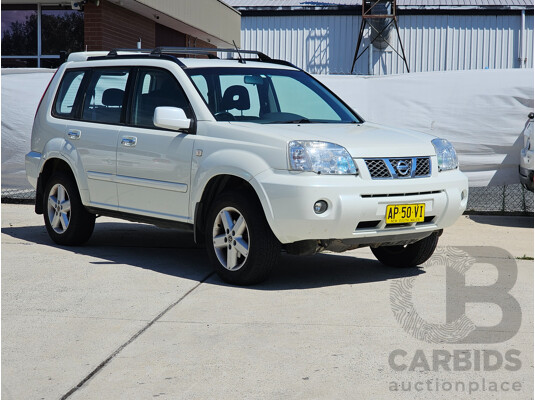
[153,164]
[94,130]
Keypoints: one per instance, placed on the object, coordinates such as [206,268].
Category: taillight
[43,96]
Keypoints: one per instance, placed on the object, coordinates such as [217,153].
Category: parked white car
[526,155]
[251,155]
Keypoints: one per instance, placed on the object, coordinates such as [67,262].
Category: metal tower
[379,15]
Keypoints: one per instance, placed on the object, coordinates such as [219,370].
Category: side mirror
[171,118]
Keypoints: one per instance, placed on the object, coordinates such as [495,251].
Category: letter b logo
[458,327]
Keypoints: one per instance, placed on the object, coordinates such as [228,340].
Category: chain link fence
[491,199]
[18,195]
[500,200]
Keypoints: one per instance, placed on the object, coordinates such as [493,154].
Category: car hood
[361,140]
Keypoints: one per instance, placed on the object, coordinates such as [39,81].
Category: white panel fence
[325,44]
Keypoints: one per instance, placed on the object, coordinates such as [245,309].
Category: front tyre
[66,219]
[240,243]
[409,255]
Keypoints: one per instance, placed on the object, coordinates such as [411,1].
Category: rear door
[153,164]
[93,124]
[101,115]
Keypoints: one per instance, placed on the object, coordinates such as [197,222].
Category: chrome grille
[422,167]
[399,168]
[378,169]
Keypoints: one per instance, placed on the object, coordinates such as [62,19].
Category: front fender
[238,163]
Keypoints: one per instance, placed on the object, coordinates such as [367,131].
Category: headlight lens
[320,157]
[446,155]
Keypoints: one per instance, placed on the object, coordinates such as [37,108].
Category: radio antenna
[238,51]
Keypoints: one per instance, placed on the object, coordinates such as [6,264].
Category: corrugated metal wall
[326,44]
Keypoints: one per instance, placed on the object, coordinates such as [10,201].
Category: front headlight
[446,155]
[320,157]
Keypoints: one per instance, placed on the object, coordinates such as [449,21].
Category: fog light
[320,206]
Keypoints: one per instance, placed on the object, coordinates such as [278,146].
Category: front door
[153,164]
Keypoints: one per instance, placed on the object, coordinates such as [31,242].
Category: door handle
[74,134]
[129,141]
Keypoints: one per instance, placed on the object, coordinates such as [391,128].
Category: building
[35,33]
[437,35]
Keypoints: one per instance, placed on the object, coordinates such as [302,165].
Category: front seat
[236,97]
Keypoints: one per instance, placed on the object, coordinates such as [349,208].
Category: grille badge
[403,168]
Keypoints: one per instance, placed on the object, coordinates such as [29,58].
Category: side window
[105,95]
[206,85]
[156,88]
[68,90]
[202,86]
[238,98]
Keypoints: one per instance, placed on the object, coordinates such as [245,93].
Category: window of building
[36,35]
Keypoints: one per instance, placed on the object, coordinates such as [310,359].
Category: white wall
[483,113]
[22,89]
[326,44]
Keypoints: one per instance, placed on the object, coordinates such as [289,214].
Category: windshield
[268,96]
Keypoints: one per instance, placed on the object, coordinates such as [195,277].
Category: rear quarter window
[67,93]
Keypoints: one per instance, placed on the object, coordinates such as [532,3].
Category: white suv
[526,155]
[252,155]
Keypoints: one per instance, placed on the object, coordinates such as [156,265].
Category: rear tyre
[407,256]
[67,221]
[239,241]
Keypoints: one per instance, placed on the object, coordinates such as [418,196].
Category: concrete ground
[137,313]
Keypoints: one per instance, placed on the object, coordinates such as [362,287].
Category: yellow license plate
[405,213]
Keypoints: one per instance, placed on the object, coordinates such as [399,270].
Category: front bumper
[526,177]
[355,204]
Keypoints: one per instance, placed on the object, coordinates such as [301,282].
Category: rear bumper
[357,207]
[33,164]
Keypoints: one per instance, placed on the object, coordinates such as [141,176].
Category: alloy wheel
[59,208]
[231,238]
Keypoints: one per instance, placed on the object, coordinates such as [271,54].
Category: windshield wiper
[295,121]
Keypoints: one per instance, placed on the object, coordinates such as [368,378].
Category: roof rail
[114,52]
[205,51]
[185,50]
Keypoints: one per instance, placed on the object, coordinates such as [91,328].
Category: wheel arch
[59,154]
[51,166]
[216,185]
